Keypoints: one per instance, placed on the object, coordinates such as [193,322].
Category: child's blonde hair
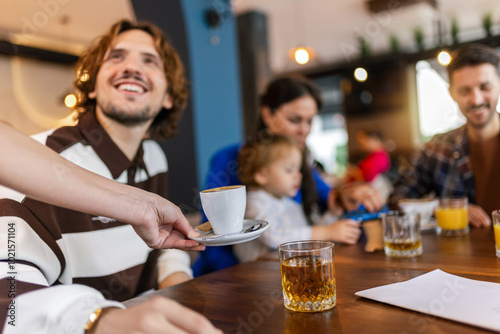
[261,151]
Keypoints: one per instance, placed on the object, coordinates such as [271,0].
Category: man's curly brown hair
[165,124]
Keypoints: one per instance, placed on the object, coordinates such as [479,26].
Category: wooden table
[470,254]
[247,298]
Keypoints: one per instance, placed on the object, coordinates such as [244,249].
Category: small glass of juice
[496,228]
[452,216]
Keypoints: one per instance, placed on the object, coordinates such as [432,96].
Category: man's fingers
[188,320]
[477,216]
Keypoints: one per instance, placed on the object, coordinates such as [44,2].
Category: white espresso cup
[425,207]
[225,208]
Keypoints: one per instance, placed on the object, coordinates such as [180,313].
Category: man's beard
[491,113]
[124,118]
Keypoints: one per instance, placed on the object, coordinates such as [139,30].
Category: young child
[270,169]
[377,160]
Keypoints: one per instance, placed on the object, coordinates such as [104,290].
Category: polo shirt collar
[116,161]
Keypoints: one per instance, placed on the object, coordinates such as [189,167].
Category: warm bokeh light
[84,77]
[444,58]
[360,74]
[302,56]
[70,100]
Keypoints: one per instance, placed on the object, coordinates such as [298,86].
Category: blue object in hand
[361,214]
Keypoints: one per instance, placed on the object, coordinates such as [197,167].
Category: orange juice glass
[452,216]
[496,228]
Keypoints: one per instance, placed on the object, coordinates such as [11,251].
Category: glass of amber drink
[452,216]
[402,236]
[496,228]
[308,275]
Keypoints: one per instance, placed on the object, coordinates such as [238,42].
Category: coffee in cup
[225,208]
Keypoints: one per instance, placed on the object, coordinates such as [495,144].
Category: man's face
[131,87]
[476,89]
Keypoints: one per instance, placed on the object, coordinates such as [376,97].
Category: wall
[399,125]
[32,94]
[215,82]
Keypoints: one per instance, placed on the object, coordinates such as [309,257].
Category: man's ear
[266,115]
[450,88]
[168,102]
[92,94]
[262,177]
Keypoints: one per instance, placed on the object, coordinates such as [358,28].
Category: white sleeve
[287,221]
[172,261]
[30,265]
[59,309]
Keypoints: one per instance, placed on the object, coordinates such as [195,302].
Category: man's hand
[156,316]
[477,216]
[164,226]
[354,194]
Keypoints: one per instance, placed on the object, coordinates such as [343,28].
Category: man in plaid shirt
[462,162]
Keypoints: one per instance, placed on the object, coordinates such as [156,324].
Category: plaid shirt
[442,167]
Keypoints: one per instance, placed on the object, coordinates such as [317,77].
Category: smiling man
[73,269]
[464,161]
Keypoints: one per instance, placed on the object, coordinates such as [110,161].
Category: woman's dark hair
[284,90]
[308,187]
[278,92]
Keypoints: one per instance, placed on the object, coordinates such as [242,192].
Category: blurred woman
[287,108]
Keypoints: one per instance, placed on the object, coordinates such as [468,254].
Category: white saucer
[236,238]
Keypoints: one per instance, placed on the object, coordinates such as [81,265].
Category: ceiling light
[302,55]
[444,58]
[360,74]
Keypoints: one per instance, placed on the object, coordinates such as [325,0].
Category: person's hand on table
[164,226]
[155,316]
[477,216]
[346,231]
[355,194]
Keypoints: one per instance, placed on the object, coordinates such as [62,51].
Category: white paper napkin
[444,295]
